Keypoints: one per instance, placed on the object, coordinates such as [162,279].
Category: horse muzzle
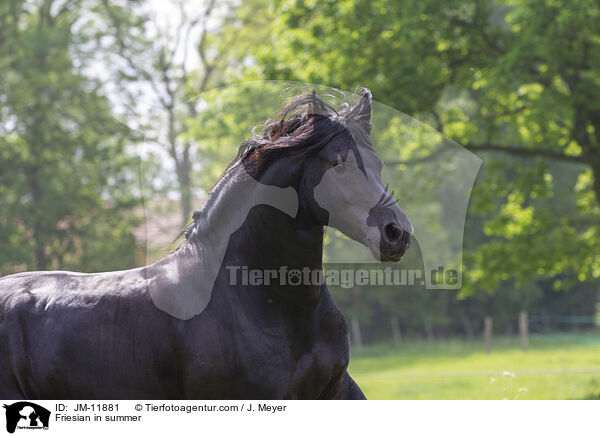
[394,233]
[394,242]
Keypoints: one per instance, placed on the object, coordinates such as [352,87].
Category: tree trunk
[428,329]
[185,192]
[524,329]
[487,333]
[39,227]
[356,333]
[466,322]
[183,168]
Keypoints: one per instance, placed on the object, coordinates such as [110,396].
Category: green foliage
[65,179]
[393,48]
[227,117]
[500,77]
[516,82]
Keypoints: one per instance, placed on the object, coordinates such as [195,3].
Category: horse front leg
[345,388]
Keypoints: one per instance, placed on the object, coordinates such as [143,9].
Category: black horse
[189,327]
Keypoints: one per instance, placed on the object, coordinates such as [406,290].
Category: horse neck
[257,223]
[259,227]
[271,242]
[271,239]
[244,224]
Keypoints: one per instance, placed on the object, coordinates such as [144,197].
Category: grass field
[565,366]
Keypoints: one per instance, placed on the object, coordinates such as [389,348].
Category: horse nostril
[396,238]
[392,233]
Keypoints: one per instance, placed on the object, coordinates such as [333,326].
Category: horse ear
[362,110]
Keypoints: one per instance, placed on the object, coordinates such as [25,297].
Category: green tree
[517,82]
[66,184]
[174,63]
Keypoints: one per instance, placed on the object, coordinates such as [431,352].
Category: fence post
[356,333]
[487,333]
[396,331]
[524,329]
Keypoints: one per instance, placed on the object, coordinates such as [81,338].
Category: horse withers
[189,326]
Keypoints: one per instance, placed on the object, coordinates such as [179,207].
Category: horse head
[327,154]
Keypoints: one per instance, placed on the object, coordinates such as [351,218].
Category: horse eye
[338,167]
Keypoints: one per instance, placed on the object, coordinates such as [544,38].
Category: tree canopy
[65,178]
[516,82]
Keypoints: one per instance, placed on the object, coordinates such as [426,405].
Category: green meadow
[565,366]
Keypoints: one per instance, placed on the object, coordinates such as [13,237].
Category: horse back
[63,331]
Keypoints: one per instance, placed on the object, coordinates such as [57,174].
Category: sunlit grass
[555,367]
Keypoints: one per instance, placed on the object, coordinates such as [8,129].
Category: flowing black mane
[305,125]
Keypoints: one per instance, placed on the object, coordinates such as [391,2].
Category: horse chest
[295,361]
[325,355]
